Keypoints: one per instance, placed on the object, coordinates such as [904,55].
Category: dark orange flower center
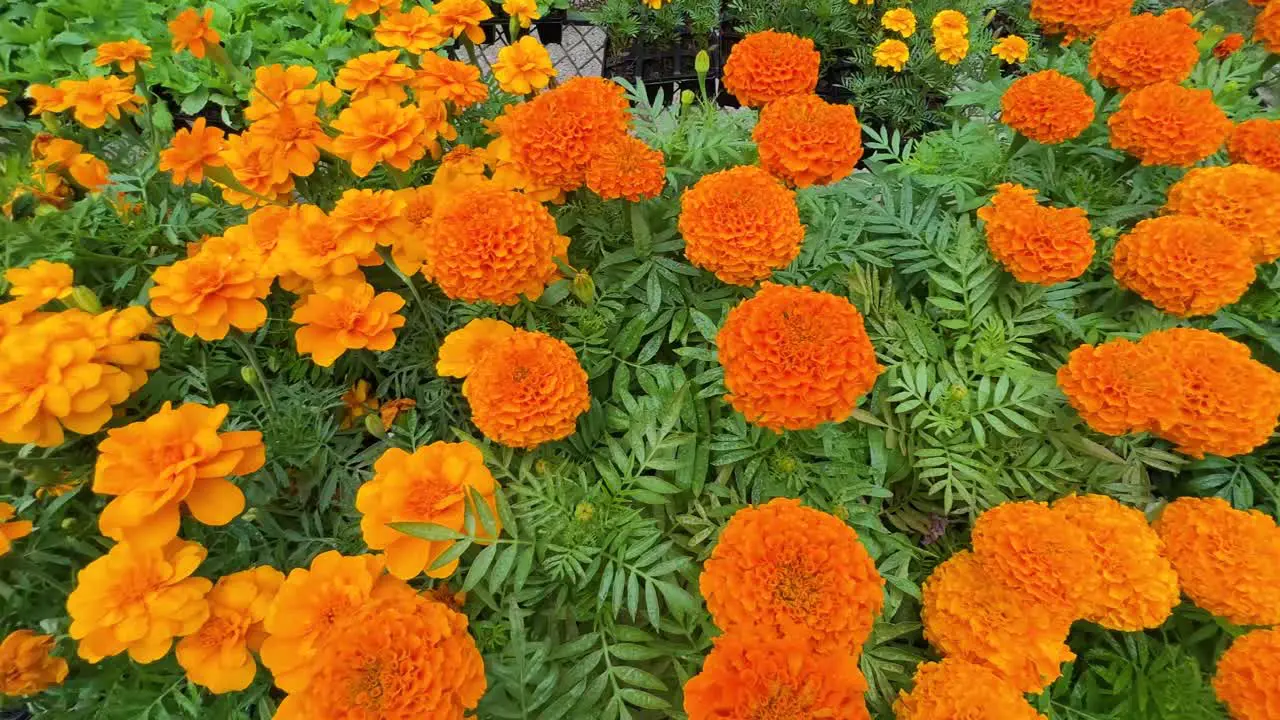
[782,704]
[795,585]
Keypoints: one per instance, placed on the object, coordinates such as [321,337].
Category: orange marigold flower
[741,224]
[176,456]
[625,167]
[192,30]
[462,162]
[1227,402]
[217,656]
[373,214]
[126,54]
[899,20]
[524,11]
[435,123]
[430,485]
[1245,680]
[315,248]
[1047,107]
[1035,243]
[1078,19]
[191,151]
[47,98]
[954,688]
[456,18]
[745,677]
[400,656]
[523,67]
[805,140]
[970,617]
[1167,124]
[11,529]
[205,295]
[276,87]
[410,238]
[1011,49]
[27,664]
[765,66]
[309,605]
[891,54]
[1032,551]
[1139,588]
[96,99]
[294,136]
[487,243]
[1184,265]
[414,31]
[1228,46]
[524,388]
[252,161]
[356,8]
[1227,560]
[1119,386]
[379,130]
[1266,28]
[1243,198]
[795,358]
[375,75]
[138,598]
[1143,50]
[1256,142]
[450,80]
[89,172]
[42,280]
[391,410]
[781,571]
[343,314]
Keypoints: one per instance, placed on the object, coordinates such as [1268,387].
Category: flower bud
[249,375]
[1108,232]
[200,200]
[82,298]
[584,512]
[702,63]
[584,288]
[373,425]
[687,97]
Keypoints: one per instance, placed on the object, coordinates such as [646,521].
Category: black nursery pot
[550,27]
[831,82]
[671,69]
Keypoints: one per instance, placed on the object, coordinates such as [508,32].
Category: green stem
[152,131]
[219,55]
[513,29]
[1019,141]
[260,388]
[408,283]
[471,50]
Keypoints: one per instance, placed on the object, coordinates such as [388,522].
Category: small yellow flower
[892,54]
[657,4]
[524,11]
[951,47]
[523,67]
[1011,49]
[901,21]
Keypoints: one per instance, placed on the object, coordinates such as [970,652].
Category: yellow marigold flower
[1243,198]
[314,247]
[950,21]
[523,67]
[126,54]
[191,31]
[625,167]
[1227,560]
[308,606]
[375,75]
[176,456]
[462,349]
[951,46]
[414,30]
[4,100]
[462,162]
[891,54]
[524,11]
[443,474]
[410,237]
[41,280]
[96,99]
[276,87]
[954,688]
[89,172]
[11,529]
[1246,678]
[899,20]
[47,98]
[450,80]
[456,18]
[252,161]
[343,314]
[217,656]
[1139,588]
[138,599]
[356,8]
[191,151]
[1183,264]
[1011,49]
[391,410]
[378,130]
[205,295]
[27,664]
[970,617]
[372,214]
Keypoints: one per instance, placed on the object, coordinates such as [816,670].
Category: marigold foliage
[1167,124]
[1245,681]
[1037,244]
[27,665]
[1047,107]
[218,655]
[805,140]
[767,66]
[1142,50]
[1243,198]
[954,688]
[1183,264]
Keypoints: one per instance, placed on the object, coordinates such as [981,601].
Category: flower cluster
[1144,49]
[767,66]
[92,100]
[1167,124]
[1184,264]
[950,36]
[1035,243]
[1047,107]
[1245,681]
[805,140]
[1245,199]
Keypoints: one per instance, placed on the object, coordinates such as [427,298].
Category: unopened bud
[702,63]
[584,512]
[687,97]
[584,288]
[249,375]
[82,298]
[373,425]
[959,392]
[200,200]
[1108,232]
[43,210]
[541,467]
[67,523]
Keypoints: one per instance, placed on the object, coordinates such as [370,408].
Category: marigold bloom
[375,75]
[949,21]
[1266,28]
[192,30]
[1245,680]
[462,162]
[456,18]
[486,243]
[1047,107]
[524,11]
[96,99]
[891,54]
[970,617]
[276,87]
[414,30]
[899,20]
[1011,49]
[400,656]
[794,358]
[1078,19]
[1167,124]
[314,247]
[253,164]
[89,172]
[42,280]
[356,8]
[27,664]
[955,688]
[625,167]
[747,677]
[373,214]
[1119,386]
[343,314]
[4,100]
[379,130]
[410,238]
[47,98]
[765,66]
[450,80]
[11,529]
[1184,265]
[205,295]
[1035,243]
[805,140]
[430,485]
[740,224]
[293,136]
[126,54]
[191,151]
[1228,46]
[1227,560]
[1243,198]
[464,348]
[781,571]
[217,656]
[523,67]
[1143,50]
[176,456]
[358,401]
[1256,142]
[950,46]
[137,599]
